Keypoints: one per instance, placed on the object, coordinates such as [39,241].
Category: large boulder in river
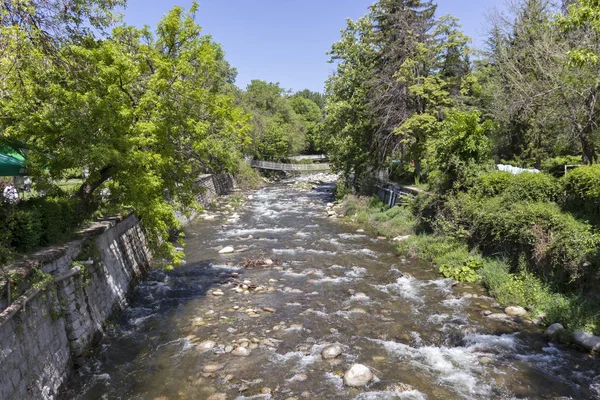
[587,341]
[358,375]
[554,329]
[331,351]
[515,311]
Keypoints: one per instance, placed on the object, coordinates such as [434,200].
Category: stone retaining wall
[48,330]
[56,326]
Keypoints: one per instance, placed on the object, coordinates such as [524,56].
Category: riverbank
[578,314]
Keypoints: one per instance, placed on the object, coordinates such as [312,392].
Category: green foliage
[582,191]
[460,148]
[38,222]
[555,166]
[466,272]
[40,279]
[521,187]
[281,125]
[376,217]
[556,245]
[248,177]
[341,189]
[144,113]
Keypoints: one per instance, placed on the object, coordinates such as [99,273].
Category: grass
[374,216]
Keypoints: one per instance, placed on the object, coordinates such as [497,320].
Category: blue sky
[285,40]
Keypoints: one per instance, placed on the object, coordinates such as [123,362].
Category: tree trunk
[589,155]
[91,184]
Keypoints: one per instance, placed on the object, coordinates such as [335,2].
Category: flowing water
[329,284]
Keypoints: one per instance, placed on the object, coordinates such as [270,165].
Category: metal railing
[308,157]
[289,167]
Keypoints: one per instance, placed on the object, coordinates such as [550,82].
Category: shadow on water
[417,332]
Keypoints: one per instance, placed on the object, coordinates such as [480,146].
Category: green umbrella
[12,164]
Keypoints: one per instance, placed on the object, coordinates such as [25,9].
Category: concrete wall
[40,342]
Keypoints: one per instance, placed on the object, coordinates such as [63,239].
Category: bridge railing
[308,157]
[289,167]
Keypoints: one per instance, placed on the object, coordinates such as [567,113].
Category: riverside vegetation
[411,102]
[512,233]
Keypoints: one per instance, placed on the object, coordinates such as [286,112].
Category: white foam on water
[298,359]
[335,380]
[502,343]
[312,226]
[337,280]
[455,367]
[302,234]
[294,274]
[293,304]
[255,397]
[406,286]
[392,395]
[351,236]
[454,303]
[367,252]
[443,285]
[253,231]
[225,266]
[316,312]
[437,318]
[285,251]
[337,267]
[360,298]
[356,272]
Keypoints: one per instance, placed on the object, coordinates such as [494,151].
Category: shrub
[36,223]
[555,244]
[522,187]
[248,177]
[556,166]
[341,189]
[582,191]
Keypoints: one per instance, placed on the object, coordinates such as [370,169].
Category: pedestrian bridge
[289,167]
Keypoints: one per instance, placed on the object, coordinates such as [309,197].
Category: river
[328,284]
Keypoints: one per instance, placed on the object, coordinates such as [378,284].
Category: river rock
[587,341]
[206,345]
[210,368]
[218,396]
[552,329]
[360,230]
[226,250]
[358,375]
[269,309]
[241,352]
[515,311]
[331,351]
[218,292]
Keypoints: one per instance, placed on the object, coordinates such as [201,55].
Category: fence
[308,157]
[289,167]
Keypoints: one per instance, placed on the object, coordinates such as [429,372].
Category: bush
[341,189]
[556,166]
[522,187]
[555,244]
[248,177]
[582,191]
[36,223]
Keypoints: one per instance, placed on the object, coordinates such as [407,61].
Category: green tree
[144,114]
